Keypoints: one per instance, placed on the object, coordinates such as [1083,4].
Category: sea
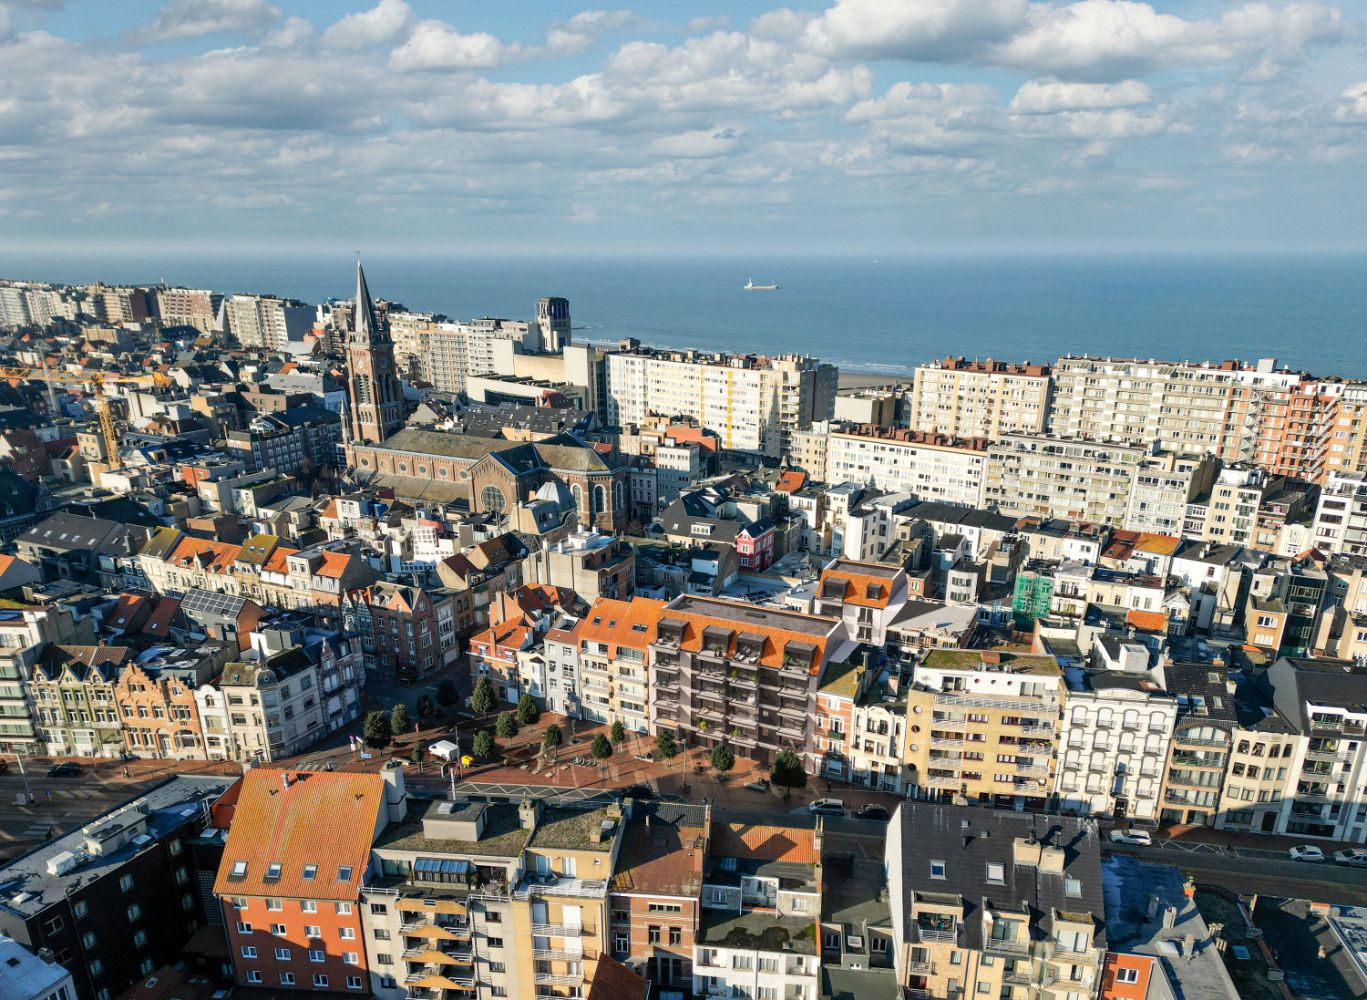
[864,313]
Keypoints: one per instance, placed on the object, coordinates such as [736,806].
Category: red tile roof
[764,843]
[296,819]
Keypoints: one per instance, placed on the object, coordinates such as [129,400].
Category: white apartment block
[1341,518]
[266,322]
[980,398]
[1047,476]
[929,466]
[1117,729]
[1163,487]
[446,354]
[196,307]
[754,404]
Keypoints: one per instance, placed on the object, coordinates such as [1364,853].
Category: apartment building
[1162,488]
[25,632]
[446,354]
[155,696]
[1114,745]
[291,899]
[728,672]
[655,890]
[1296,428]
[926,464]
[1347,454]
[1263,773]
[989,902]
[74,705]
[1341,518]
[266,322]
[1201,742]
[614,640]
[761,900]
[196,307]
[867,596]
[987,399]
[116,898]
[859,729]
[755,404]
[588,562]
[1051,477]
[983,727]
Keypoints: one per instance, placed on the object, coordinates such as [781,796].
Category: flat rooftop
[745,614]
[758,931]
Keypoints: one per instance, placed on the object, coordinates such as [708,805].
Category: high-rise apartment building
[1047,476]
[755,404]
[1341,518]
[266,322]
[969,399]
[196,307]
[447,354]
[1348,438]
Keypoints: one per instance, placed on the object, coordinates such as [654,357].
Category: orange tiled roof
[1149,621]
[614,981]
[621,624]
[764,843]
[160,621]
[860,590]
[275,563]
[334,565]
[278,820]
[508,633]
[330,511]
[791,481]
[776,638]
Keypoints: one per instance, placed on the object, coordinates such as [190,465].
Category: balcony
[558,979]
[556,955]
[947,742]
[561,930]
[550,885]
[1001,946]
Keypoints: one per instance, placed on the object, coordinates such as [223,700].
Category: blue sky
[864,126]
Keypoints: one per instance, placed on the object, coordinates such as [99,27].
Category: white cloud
[925,31]
[700,143]
[581,32]
[385,23]
[192,18]
[1047,96]
[435,45]
[1352,105]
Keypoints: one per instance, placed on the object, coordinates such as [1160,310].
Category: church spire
[363,323]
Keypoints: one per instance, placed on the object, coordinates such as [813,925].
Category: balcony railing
[1005,947]
[558,979]
[535,885]
[560,930]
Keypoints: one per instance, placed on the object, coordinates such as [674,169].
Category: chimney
[395,797]
[528,812]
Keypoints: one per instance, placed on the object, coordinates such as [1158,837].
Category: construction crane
[96,380]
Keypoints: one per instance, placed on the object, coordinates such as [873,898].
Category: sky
[866,126]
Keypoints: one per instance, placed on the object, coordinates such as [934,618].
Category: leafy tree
[416,755]
[600,748]
[377,731]
[447,695]
[398,719]
[552,738]
[506,727]
[484,745]
[665,745]
[426,708]
[527,710]
[482,700]
[788,772]
[619,733]
[722,759]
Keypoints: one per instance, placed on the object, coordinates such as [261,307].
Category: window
[383,958]
[320,981]
[343,909]
[381,934]
[253,976]
[282,954]
[353,982]
[287,979]
[80,909]
[308,906]
[274,906]
[1072,887]
[351,958]
[273,872]
[347,933]
[243,928]
[88,940]
[312,931]
[937,869]
[96,967]
[249,951]
[495,942]
[125,883]
[1127,975]
[996,873]
[239,869]
[344,874]
[676,935]
[134,913]
[139,939]
[310,872]
[278,930]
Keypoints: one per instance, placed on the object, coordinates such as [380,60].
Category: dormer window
[310,871]
[239,869]
[344,873]
[273,871]
[937,869]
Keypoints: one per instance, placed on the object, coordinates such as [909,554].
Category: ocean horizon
[864,313]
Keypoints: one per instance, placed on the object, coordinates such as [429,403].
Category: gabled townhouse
[74,703]
[860,722]
[867,596]
[155,695]
[614,641]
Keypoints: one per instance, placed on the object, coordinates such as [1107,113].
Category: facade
[1114,745]
[591,564]
[995,903]
[1341,518]
[1084,480]
[74,704]
[987,399]
[1201,744]
[265,322]
[614,641]
[983,727]
[755,404]
[412,630]
[726,672]
[24,634]
[448,354]
[1163,487]
[927,465]
[376,397]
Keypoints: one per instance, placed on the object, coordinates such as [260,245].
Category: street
[1255,871]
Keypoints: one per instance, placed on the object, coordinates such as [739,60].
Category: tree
[552,738]
[447,695]
[398,719]
[600,748]
[426,709]
[482,700]
[377,732]
[484,745]
[619,733]
[506,727]
[788,772]
[665,745]
[722,759]
[416,755]
[527,710]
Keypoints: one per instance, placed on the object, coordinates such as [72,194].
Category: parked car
[1138,838]
[1354,856]
[65,770]
[872,810]
[827,807]
[1306,852]
[760,785]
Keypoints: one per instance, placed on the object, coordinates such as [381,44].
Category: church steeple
[376,393]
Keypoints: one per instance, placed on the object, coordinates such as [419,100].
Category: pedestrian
[48,793]
[125,770]
[32,799]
